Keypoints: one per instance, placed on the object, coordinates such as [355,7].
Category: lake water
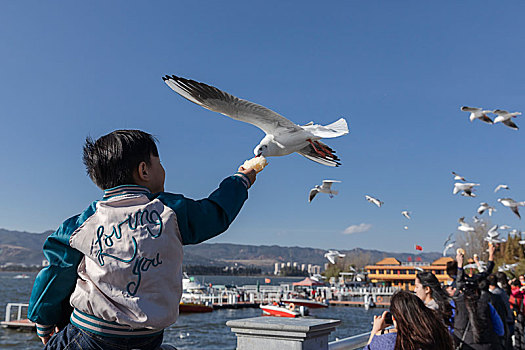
[192,331]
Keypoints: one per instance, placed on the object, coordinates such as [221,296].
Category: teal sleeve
[200,220]
[55,283]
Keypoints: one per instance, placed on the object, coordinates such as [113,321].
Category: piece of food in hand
[460,251]
[257,163]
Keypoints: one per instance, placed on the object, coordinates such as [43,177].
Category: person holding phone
[414,326]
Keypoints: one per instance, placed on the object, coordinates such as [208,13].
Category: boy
[119,263]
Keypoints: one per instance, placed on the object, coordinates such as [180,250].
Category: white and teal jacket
[120,261]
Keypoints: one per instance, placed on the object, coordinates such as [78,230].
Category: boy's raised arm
[200,220]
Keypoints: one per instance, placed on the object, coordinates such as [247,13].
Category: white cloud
[357,228]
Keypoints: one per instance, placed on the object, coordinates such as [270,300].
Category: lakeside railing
[258,333]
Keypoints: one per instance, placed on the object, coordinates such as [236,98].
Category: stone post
[264,333]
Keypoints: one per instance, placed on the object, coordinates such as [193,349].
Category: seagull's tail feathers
[322,155]
[336,129]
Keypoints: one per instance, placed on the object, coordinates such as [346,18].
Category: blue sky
[397,71]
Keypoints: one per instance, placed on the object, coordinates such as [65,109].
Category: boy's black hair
[111,160]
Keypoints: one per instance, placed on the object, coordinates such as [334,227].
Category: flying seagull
[466,187]
[405,227]
[332,255]
[326,187]
[499,187]
[478,113]
[283,137]
[447,247]
[406,214]
[512,205]
[506,118]
[493,232]
[458,177]
[507,267]
[504,227]
[463,226]
[374,200]
[485,207]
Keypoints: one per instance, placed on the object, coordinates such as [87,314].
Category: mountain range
[18,247]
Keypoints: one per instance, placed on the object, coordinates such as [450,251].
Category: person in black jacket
[473,327]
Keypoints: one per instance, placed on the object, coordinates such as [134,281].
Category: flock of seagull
[502,116]
[283,137]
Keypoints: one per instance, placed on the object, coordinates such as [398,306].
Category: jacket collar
[125,189]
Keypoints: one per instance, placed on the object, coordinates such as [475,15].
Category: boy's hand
[250,173]
[46,338]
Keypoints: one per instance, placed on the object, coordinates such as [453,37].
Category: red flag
[409,258]
[267,280]
[418,247]
[418,258]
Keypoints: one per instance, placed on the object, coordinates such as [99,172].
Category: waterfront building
[393,273]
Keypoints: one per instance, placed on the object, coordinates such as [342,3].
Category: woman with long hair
[415,327]
[429,290]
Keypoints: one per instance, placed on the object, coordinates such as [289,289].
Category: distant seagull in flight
[447,247]
[405,227]
[478,113]
[326,187]
[465,187]
[283,137]
[458,177]
[512,205]
[507,267]
[463,226]
[504,227]
[374,200]
[485,207]
[499,187]
[493,232]
[406,214]
[332,255]
[506,118]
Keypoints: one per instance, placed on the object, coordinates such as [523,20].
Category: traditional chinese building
[393,273]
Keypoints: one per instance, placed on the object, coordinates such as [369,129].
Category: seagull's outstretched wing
[470,109]
[486,119]
[510,124]
[313,193]
[327,184]
[222,102]
[516,211]
[310,153]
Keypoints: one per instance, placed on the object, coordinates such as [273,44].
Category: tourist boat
[278,310]
[312,304]
[190,285]
[194,308]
